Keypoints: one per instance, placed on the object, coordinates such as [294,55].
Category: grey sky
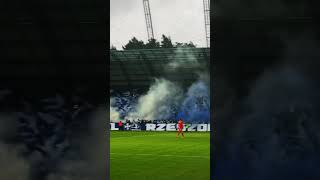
[182,20]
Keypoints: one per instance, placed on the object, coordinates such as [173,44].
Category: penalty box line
[161,155]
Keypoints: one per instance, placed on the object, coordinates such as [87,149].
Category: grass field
[143,155]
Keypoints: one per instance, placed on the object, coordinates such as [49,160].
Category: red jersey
[180,124]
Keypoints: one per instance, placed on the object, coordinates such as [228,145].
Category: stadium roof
[138,68]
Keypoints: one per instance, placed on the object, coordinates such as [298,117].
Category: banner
[158,127]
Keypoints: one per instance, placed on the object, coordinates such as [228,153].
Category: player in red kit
[180,128]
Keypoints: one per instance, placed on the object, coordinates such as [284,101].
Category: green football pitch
[140,155]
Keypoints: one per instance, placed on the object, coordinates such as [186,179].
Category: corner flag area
[143,155]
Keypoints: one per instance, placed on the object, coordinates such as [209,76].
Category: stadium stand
[137,68]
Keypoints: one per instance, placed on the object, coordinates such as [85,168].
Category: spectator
[120,125]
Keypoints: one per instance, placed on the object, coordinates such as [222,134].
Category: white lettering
[192,127]
[150,127]
[202,127]
[171,127]
[161,127]
[113,127]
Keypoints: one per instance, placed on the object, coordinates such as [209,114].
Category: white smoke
[164,94]
[91,161]
[114,114]
[157,103]
[183,59]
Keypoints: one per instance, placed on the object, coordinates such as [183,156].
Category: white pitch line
[163,155]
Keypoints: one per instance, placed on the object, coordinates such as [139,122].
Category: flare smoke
[164,95]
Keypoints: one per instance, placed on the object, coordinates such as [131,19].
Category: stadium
[149,90]
[155,85]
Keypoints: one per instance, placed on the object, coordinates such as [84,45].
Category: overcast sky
[182,20]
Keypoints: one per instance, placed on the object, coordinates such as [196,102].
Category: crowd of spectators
[143,121]
[150,121]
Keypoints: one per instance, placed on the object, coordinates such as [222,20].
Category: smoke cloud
[114,114]
[277,131]
[167,99]
[183,59]
[273,134]
[158,101]
[12,163]
[86,159]
[196,105]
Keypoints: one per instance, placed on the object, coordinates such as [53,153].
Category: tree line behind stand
[166,42]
